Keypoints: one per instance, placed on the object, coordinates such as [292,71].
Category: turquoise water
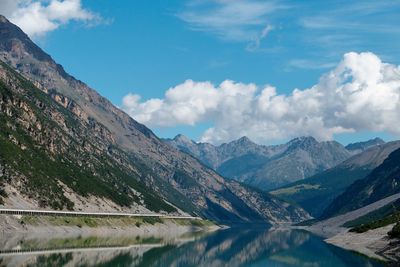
[232,247]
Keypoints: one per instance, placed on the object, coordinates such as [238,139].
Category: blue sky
[146,47]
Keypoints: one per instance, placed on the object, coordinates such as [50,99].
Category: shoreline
[43,226]
[373,243]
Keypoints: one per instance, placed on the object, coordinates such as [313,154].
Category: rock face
[62,141]
[266,167]
[315,193]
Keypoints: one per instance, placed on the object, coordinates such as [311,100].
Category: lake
[231,247]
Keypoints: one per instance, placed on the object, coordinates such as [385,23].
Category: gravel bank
[373,243]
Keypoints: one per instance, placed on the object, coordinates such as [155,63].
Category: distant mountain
[362,146]
[382,182]
[265,167]
[214,156]
[315,193]
[63,146]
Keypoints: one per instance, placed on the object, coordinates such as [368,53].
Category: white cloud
[309,64]
[8,6]
[38,17]
[257,39]
[241,20]
[361,93]
[357,16]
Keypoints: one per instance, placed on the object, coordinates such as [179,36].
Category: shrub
[392,218]
[152,220]
[395,232]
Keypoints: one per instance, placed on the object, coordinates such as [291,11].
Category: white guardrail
[92,214]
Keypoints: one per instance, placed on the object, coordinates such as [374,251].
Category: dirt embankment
[373,243]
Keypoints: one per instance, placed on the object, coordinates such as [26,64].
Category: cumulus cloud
[360,93]
[38,17]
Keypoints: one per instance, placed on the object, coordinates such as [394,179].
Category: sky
[216,70]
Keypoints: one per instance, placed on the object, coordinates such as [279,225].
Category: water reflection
[232,247]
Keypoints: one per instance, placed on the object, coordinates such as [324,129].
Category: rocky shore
[373,243]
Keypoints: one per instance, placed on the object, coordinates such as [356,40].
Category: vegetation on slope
[375,215]
[314,194]
[382,182]
[393,218]
[395,232]
[40,152]
[122,221]
[384,216]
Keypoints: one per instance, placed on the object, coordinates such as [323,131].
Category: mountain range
[317,192]
[270,167]
[63,146]
[382,182]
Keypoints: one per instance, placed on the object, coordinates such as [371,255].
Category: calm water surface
[232,247]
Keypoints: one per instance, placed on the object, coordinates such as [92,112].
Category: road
[90,214]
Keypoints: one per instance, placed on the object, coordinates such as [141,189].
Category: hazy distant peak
[361,146]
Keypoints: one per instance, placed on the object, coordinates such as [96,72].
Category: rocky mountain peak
[242,141]
[303,142]
[17,47]
[182,139]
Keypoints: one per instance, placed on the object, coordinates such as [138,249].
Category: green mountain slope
[382,182]
[314,194]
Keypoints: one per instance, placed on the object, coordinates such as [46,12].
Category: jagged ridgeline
[64,146]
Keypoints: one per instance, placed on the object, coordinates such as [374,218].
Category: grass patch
[93,222]
[152,220]
[295,189]
[83,221]
[198,223]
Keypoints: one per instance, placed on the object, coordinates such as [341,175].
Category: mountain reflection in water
[231,247]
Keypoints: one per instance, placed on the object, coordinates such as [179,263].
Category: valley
[253,177]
